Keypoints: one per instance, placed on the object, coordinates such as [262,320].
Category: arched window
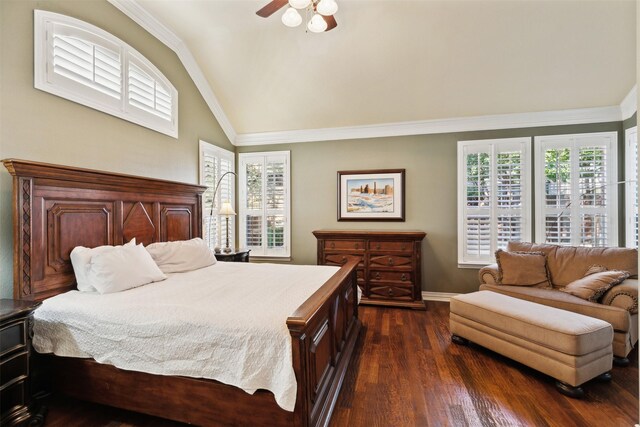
[85,64]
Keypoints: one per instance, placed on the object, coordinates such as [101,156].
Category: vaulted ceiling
[396,61]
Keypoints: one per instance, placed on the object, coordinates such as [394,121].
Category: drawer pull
[390,292]
[403,247]
[390,261]
[378,246]
[344,259]
[333,245]
[404,277]
[377,276]
[357,247]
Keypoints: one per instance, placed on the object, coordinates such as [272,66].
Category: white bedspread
[225,322]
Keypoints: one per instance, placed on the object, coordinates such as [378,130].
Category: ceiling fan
[322,13]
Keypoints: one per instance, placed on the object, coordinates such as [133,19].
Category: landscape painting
[371,195]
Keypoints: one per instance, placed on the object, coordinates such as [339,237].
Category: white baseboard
[438,296]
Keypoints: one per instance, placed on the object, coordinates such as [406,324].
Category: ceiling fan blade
[331,22]
[271,8]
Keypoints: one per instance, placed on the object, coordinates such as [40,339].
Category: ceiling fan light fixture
[291,18]
[317,24]
[299,4]
[327,7]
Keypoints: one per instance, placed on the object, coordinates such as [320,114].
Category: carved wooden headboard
[56,208]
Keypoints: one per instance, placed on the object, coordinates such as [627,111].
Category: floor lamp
[213,203]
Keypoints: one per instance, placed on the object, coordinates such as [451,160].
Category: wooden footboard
[324,332]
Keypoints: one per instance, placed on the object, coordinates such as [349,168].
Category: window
[631,186]
[80,62]
[494,197]
[214,163]
[264,212]
[576,191]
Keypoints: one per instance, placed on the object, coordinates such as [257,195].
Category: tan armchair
[618,306]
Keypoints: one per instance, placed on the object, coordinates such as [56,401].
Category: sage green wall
[431,192]
[36,125]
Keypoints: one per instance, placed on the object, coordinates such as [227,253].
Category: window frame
[219,154]
[631,186]
[46,80]
[574,141]
[263,251]
[494,146]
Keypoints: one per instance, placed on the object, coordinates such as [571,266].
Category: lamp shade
[327,7]
[299,4]
[226,209]
[291,18]
[317,24]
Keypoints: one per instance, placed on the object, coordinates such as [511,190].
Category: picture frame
[371,195]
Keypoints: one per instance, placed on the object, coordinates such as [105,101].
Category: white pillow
[80,259]
[181,255]
[122,268]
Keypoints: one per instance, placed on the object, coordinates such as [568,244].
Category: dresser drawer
[12,336]
[344,245]
[340,259]
[386,246]
[390,292]
[14,368]
[399,278]
[391,261]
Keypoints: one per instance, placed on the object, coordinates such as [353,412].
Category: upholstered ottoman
[567,346]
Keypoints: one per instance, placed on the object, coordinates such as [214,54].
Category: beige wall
[431,188]
[36,125]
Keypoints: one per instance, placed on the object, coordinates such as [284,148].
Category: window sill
[474,265]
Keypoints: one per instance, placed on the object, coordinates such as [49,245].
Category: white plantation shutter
[576,189]
[215,162]
[148,93]
[631,187]
[85,64]
[90,64]
[493,197]
[264,211]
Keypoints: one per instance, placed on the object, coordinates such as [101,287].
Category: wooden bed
[56,208]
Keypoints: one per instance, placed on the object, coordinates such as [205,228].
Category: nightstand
[241,255]
[16,330]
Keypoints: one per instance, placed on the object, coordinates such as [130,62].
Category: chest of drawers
[389,263]
[16,322]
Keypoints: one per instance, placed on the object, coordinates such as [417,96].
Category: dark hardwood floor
[408,373]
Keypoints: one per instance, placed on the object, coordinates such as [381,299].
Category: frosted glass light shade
[299,4]
[291,18]
[327,7]
[317,24]
[226,209]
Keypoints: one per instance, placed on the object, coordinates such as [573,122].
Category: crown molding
[629,104]
[142,17]
[426,127]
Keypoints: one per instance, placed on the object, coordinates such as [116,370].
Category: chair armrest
[489,275]
[624,295]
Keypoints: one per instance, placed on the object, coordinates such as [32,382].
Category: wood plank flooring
[408,373]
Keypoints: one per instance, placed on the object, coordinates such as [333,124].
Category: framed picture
[371,195]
